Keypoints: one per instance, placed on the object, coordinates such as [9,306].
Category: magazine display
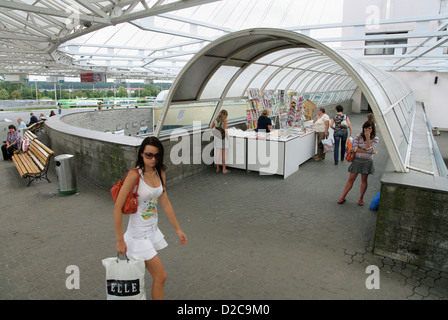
[286,108]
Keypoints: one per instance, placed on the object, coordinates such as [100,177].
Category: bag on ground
[375,201]
[125,279]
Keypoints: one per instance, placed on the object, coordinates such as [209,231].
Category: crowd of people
[13,140]
[143,239]
[363,147]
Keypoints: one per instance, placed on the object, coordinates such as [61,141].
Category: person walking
[322,123]
[340,123]
[143,238]
[220,139]
[364,148]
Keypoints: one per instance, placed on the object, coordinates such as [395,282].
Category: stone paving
[249,237]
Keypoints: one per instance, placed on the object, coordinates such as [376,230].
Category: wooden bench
[29,135]
[36,127]
[33,163]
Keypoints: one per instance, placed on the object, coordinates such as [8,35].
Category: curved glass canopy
[220,75]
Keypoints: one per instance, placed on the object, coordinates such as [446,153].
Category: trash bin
[65,170]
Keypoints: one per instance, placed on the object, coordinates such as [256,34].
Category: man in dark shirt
[264,122]
[33,119]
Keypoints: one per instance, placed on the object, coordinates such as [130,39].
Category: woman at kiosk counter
[264,122]
[322,122]
[221,140]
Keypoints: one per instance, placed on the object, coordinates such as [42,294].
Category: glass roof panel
[302,79]
[273,84]
[218,82]
[288,78]
[261,77]
[238,88]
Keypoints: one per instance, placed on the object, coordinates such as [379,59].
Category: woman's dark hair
[339,108]
[366,125]
[155,142]
[11,126]
[322,109]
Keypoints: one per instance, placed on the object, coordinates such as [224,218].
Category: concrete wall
[412,222]
[128,119]
[6,105]
[434,96]
[104,158]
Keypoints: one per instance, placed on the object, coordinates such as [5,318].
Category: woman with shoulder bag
[364,148]
[221,141]
[143,237]
[340,123]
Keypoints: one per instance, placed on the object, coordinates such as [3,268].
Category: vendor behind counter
[264,122]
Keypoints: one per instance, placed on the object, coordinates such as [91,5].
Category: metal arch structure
[244,48]
[33,33]
[66,37]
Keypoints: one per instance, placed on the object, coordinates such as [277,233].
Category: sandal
[341,201]
[360,203]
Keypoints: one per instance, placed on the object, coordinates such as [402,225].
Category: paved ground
[250,237]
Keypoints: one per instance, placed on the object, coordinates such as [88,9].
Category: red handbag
[350,156]
[131,203]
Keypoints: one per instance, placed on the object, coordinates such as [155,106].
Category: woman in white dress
[143,237]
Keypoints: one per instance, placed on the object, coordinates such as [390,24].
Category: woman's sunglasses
[150,155]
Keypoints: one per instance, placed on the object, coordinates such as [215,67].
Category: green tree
[26,93]
[122,92]
[4,95]
[15,94]
[79,94]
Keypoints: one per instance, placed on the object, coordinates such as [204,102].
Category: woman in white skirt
[143,237]
[221,139]
[364,146]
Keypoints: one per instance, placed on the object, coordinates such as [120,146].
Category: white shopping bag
[125,279]
[25,144]
[328,145]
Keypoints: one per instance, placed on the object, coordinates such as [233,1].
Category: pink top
[360,143]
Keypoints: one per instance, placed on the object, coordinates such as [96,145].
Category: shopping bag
[328,145]
[25,144]
[349,145]
[125,279]
[375,201]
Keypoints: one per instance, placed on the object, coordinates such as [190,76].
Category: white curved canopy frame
[244,48]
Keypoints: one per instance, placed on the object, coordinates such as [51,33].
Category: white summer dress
[143,237]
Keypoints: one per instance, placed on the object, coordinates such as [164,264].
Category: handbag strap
[137,183]
[118,257]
